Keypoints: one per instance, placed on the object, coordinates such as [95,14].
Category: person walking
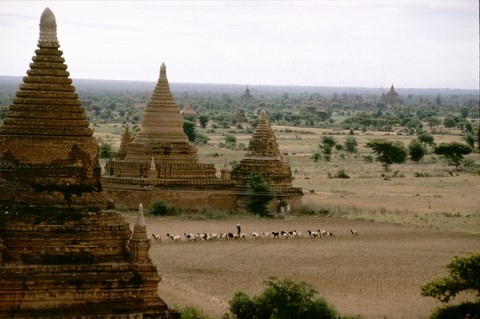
[239,229]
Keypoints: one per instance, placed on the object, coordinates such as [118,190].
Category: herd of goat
[194,237]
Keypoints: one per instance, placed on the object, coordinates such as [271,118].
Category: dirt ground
[375,275]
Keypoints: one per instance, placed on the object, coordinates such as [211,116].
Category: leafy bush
[160,208]
[416,150]
[259,194]
[341,173]
[105,147]
[201,139]
[368,158]
[350,144]
[464,276]
[193,313]
[453,152]
[388,152]
[316,156]
[282,299]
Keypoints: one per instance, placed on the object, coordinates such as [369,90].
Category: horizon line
[270,85]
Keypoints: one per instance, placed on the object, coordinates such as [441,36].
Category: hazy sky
[414,44]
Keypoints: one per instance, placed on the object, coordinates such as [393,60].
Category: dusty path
[377,274]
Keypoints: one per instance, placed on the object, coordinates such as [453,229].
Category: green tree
[476,135]
[328,142]
[425,138]
[388,152]
[193,313]
[203,119]
[453,152]
[464,276]
[449,121]
[470,139]
[316,156]
[190,130]
[282,299]
[230,139]
[351,144]
[105,147]
[416,150]
[432,121]
[160,208]
[258,194]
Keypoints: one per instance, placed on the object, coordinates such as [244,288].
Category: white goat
[157,238]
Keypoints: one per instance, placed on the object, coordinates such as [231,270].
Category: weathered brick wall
[183,199]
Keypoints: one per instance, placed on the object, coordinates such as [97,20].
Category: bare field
[375,275]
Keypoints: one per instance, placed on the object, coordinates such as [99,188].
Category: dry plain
[377,274]
[410,225]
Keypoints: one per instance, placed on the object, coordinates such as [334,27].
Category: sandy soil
[377,274]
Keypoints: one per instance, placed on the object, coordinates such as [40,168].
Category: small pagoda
[263,156]
[64,251]
[188,109]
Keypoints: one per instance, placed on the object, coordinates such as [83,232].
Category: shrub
[416,150]
[193,313]
[282,299]
[368,158]
[316,156]
[160,208]
[259,194]
[342,174]
[350,144]
[464,276]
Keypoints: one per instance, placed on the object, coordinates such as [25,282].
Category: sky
[411,44]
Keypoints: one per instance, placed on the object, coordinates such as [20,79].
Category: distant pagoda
[188,109]
[391,98]
[247,97]
[64,251]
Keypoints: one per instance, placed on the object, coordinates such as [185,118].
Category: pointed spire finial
[263,117]
[48,29]
[163,71]
[152,164]
[140,218]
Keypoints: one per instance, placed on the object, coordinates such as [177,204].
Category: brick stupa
[263,156]
[161,136]
[161,164]
[64,251]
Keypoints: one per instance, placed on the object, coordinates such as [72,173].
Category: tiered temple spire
[64,250]
[161,119]
[161,136]
[263,156]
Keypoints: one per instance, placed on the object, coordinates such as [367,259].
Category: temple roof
[263,156]
[161,119]
[263,142]
[45,142]
[46,103]
[65,252]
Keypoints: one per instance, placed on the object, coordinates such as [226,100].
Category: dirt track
[377,274]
